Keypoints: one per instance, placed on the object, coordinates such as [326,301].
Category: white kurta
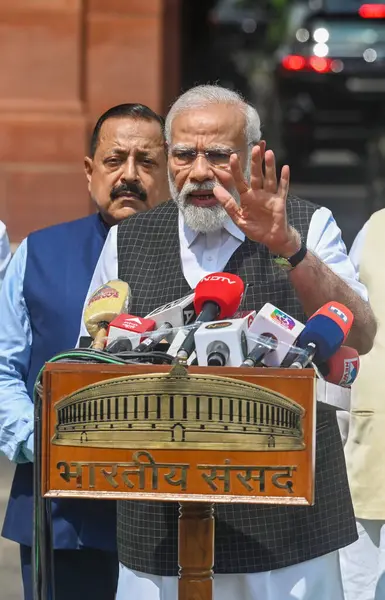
[317,579]
[363,563]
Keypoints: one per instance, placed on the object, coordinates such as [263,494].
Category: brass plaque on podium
[146,432]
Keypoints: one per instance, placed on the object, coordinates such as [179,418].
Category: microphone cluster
[208,328]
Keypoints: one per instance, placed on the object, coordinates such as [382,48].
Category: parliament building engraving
[193,412]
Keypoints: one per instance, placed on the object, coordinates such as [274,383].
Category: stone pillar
[62,63]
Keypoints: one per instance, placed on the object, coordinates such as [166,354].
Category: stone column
[62,63]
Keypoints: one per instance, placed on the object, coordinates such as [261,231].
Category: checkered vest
[248,538]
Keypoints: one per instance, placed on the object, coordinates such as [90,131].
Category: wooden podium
[196,436]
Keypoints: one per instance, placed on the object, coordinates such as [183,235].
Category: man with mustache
[41,302]
[126,166]
[228,214]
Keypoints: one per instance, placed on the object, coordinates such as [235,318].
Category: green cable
[83,354]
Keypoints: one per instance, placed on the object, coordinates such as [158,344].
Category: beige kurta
[365,447]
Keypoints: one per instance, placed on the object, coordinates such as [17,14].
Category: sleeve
[325,240]
[5,251]
[357,247]
[16,407]
[106,269]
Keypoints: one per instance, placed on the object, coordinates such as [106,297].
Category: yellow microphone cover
[107,302]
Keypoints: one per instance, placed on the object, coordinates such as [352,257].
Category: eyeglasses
[216,157]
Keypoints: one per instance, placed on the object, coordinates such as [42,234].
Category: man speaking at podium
[228,214]
[40,306]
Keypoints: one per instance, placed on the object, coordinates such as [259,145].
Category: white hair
[205,95]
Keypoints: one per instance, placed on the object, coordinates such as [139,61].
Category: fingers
[228,202]
[270,183]
[267,181]
[262,145]
[238,176]
[256,180]
[283,188]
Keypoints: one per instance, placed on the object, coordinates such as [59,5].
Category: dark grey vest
[248,538]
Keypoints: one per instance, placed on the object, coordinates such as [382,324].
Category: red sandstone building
[62,63]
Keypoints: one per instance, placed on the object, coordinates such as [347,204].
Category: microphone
[119,345]
[150,342]
[339,313]
[104,305]
[267,343]
[223,343]
[217,296]
[218,354]
[324,334]
[178,313]
[342,368]
[85,341]
[129,327]
[273,322]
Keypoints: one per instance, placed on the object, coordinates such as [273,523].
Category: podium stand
[196,436]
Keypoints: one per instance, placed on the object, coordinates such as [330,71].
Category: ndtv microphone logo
[219,278]
[339,313]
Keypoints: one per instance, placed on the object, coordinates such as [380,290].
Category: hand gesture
[261,214]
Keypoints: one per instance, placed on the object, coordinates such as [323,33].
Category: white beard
[199,218]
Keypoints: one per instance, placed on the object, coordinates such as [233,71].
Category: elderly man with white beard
[227,213]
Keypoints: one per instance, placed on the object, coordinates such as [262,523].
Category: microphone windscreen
[343,367]
[106,303]
[224,289]
[325,333]
[339,313]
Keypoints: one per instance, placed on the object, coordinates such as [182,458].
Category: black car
[329,77]
[243,22]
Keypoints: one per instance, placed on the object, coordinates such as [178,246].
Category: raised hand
[261,214]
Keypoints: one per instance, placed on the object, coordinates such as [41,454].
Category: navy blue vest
[60,263]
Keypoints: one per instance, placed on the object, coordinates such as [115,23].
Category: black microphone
[267,343]
[218,354]
[216,296]
[85,341]
[209,313]
[156,336]
[119,345]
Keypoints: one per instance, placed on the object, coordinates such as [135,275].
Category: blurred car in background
[242,22]
[329,77]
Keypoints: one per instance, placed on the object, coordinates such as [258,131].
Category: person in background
[363,563]
[5,251]
[41,303]
[228,213]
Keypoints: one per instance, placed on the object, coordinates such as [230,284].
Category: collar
[190,236]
